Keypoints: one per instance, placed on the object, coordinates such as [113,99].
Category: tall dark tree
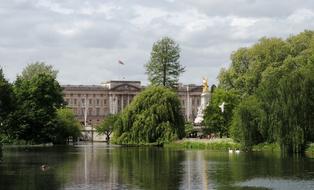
[164,67]
[6,102]
[37,100]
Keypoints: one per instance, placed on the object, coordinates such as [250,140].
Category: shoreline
[225,144]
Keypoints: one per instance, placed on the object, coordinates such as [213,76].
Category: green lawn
[212,144]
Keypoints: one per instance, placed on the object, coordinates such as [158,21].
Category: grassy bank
[266,147]
[225,144]
[212,144]
[310,149]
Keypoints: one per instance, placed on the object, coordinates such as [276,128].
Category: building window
[83,101]
[97,102]
[105,102]
[97,111]
[90,101]
[90,111]
[82,111]
[75,102]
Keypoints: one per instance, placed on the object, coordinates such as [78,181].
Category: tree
[67,126]
[246,123]
[37,100]
[188,129]
[107,125]
[164,67]
[275,80]
[154,116]
[248,64]
[38,68]
[216,121]
[6,103]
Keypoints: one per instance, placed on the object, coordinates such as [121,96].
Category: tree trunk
[165,67]
[108,139]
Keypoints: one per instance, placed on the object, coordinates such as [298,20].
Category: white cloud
[84,39]
[72,29]
[301,15]
[53,6]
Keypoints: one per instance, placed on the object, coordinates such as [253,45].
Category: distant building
[97,101]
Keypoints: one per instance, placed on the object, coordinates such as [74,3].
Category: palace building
[92,103]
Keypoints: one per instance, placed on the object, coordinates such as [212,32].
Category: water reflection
[100,166]
[279,184]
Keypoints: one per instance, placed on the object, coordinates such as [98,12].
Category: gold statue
[205,84]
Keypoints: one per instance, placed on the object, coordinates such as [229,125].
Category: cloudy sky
[84,39]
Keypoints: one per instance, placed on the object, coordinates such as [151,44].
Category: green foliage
[37,98]
[216,121]
[6,102]
[107,125]
[38,68]
[248,65]
[310,148]
[67,126]
[267,147]
[246,122]
[188,128]
[164,67]
[276,82]
[154,116]
[219,144]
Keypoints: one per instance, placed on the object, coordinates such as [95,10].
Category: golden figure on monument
[205,84]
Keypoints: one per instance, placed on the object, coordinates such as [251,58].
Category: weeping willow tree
[279,75]
[154,116]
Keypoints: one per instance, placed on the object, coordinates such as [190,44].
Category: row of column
[114,102]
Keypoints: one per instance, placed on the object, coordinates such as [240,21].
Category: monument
[205,97]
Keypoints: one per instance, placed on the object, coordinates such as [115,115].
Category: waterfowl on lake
[44,167]
[230,150]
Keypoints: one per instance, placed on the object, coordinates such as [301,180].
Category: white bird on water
[222,107]
[230,150]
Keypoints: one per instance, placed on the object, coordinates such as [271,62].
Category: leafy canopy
[37,100]
[38,68]
[6,104]
[275,81]
[216,121]
[107,125]
[67,126]
[154,116]
[164,66]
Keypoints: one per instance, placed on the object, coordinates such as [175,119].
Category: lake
[100,166]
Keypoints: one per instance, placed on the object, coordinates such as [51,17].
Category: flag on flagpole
[120,62]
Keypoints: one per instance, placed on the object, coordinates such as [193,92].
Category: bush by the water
[154,116]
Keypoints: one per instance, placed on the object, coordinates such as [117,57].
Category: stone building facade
[92,103]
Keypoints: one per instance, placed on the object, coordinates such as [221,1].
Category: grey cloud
[84,39]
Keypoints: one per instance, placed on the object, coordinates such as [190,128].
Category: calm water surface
[100,166]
